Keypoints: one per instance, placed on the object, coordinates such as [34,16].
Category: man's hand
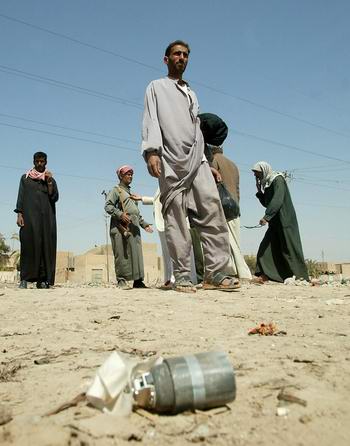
[48,177]
[263,222]
[136,197]
[125,218]
[154,164]
[216,174]
[20,220]
[149,229]
[258,184]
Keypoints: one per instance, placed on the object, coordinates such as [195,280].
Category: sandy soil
[53,341]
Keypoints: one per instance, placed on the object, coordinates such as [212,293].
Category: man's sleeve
[19,204]
[147,200]
[55,195]
[111,206]
[277,199]
[151,133]
[142,222]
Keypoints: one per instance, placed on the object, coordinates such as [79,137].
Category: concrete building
[328,268]
[97,265]
[341,270]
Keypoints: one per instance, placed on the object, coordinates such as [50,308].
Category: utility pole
[106,227]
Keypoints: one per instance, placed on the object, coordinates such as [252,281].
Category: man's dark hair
[39,155]
[176,42]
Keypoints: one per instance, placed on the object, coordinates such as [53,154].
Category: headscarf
[268,174]
[122,170]
[35,175]
[213,128]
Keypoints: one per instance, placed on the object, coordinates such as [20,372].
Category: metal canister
[200,381]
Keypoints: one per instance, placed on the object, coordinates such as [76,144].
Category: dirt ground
[53,341]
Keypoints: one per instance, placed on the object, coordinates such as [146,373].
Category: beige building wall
[9,276]
[64,262]
[93,267]
[153,264]
[345,270]
[328,267]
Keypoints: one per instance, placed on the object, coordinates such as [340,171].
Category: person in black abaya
[36,217]
[280,254]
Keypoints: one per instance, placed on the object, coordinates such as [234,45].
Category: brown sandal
[232,285]
[185,286]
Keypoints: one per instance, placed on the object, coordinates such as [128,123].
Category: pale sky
[73,76]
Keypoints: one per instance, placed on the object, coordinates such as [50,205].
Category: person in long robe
[125,231]
[280,254]
[36,217]
[173,148]
[169,278]
[215,132]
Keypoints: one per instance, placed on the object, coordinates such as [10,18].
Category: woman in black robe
[280,253]
[36,217]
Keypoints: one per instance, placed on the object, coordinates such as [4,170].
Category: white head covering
[268,174]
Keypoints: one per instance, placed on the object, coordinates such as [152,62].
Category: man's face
[258,174]
[177,60]
[127,178]
[40,164]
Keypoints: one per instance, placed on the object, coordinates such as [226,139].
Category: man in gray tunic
[173,148]
[125,231]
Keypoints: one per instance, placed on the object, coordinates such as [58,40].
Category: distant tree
[15,257]
[4,252]
[251,262]
[14,237]
[313,268]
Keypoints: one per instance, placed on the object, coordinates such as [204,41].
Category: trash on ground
[303,361]
[171,385]
[267,330]
[290,398]
[296,282]
[43,360]
[72,403]
[8,370]
[282,411]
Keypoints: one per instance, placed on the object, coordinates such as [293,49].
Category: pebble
[282,411]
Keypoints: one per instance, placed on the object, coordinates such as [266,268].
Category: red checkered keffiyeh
[35,175]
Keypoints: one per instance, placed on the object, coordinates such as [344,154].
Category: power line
[67,128]
[68,86]
[322,180]
[288,146]
[208,87]
[272,110]
[81,177]
[320,185]
[331,206]
[322,169]
[75,138]
[80,42]
[244,134]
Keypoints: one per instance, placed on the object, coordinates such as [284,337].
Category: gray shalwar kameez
[127,251]
[171,126]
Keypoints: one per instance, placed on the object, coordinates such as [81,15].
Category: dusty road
[53,341]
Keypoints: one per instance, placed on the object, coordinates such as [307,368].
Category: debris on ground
[290,398]
[72,403]
[282,411]
[8,370]
[5,415]
[266,330]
